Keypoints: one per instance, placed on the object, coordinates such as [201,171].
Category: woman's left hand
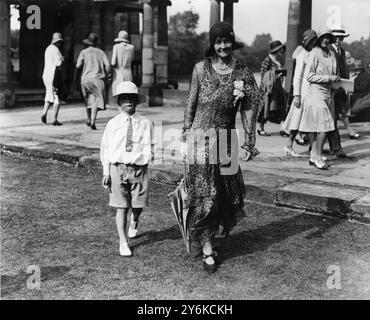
[247,156]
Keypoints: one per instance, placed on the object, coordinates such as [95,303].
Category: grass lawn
[56,217]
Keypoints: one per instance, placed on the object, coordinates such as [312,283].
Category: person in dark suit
[340,98]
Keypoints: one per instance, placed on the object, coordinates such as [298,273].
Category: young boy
[126,150]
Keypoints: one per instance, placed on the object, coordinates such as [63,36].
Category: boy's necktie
[129,136]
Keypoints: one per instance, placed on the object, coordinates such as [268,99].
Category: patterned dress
[217,196]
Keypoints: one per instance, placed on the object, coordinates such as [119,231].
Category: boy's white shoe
[124,250]
[132,230]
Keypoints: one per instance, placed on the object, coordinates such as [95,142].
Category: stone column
[95,18]
[6,92]
[81,26]
[229,11]
[162,45]
[215,12]
[148,45]
[299,20]
[108,29]
[135,39]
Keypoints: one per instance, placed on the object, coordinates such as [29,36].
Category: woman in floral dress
[220,86]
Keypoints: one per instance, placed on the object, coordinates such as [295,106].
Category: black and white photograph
[185,154]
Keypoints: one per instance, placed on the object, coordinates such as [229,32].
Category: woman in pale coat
[122,57]
[318,103]
[300,85]
[53,59]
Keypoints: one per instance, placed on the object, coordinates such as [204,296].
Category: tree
[186,47]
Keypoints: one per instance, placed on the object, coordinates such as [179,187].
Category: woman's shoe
[291,152]
[354,136]
[320,164]
[284,134]
[93,127]
[263,133]
[301,142]
[311,162]
[210,268]
[57,123]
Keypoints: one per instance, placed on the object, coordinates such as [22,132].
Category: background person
[340,96]
[360,100]
[122,57]
[273,93]
[300,87]
[53,60]
[318,104]
[95,70]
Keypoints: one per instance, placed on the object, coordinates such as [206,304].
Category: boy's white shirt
[113,144]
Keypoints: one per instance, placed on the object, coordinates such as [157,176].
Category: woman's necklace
[227,66]
[219,76]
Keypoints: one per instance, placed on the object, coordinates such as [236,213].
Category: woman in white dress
[300,85]
[122,57]
[317,104]
[53,59]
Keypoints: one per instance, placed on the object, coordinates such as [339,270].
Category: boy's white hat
[128,87]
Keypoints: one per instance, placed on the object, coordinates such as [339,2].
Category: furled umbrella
[180,207]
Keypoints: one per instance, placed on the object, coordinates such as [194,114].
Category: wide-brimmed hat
[357,65]
[339,33]
[275,46]
[128,87]
[92,39]
[122,36]
[56,37]
[323,33]
[308,36]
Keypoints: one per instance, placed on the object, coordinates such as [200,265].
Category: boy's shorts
[129,186]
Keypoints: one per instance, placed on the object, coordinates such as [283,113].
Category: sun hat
[122,36]
[56,37]
[323,33]
[340,33]
[308,36]
[128,87]
[92,39]
[275,46]
[358,64]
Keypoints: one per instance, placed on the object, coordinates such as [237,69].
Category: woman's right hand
[335,78]
[106,182]
[297,101]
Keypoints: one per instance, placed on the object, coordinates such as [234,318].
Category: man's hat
[340,33]
[91,40]
[358,65]
[128,87]
[56,38]
[275,46]
[122,37]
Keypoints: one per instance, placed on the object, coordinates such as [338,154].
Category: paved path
[272,177]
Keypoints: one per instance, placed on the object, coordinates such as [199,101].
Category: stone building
[75,19]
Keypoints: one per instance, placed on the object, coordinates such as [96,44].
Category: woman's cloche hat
[308,36]
[323,33]
[358,65]
[122,36]
[275,46]
[56,37]
[92,39]
[128,87]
